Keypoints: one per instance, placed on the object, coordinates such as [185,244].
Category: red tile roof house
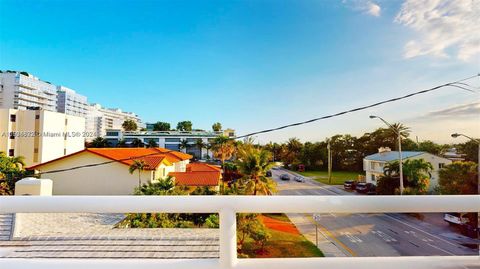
[112,176]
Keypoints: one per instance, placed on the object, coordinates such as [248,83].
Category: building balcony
[227,207]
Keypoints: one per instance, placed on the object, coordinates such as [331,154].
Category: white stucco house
[373,164]
[112,178]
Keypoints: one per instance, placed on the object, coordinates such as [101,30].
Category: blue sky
[253,64]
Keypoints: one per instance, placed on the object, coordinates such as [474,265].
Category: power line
[451,84]
[102,163]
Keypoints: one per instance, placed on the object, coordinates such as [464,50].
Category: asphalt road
[365,235]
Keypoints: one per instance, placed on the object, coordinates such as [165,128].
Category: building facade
[114,178]
[71,103]
[173,140]
[99,119]
[40,135]
[20,90]
[374,164]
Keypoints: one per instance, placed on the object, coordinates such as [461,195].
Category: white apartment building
[171,139]
[20,90]
[40,135]
[71,103]
[99,119]
[374,164]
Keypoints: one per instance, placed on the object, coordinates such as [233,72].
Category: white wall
[110,179]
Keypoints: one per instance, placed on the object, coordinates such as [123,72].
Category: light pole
[329,157]
[399,137]
[455,135]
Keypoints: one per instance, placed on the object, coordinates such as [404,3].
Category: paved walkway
[6,224]
[85,235]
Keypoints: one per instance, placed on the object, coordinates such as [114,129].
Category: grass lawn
[285,241]
[338,177]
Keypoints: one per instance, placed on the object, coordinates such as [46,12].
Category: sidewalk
[306,225]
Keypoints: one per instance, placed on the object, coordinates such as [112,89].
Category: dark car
[285,177]
[367,188]
[268,173]
[349,184]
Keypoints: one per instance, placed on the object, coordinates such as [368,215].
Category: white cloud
[365,6]
[442,27]
[464,110]
[373,9]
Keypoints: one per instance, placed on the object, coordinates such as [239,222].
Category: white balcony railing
[227,207]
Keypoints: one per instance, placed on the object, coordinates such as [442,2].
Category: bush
[387,185]
[212,221]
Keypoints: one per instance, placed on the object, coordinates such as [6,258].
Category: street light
[399,150]
[455,135]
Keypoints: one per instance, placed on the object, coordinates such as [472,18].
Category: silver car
[299,179]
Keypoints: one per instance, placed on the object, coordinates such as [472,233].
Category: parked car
[268,173]
[367,188]
[285,177]
[349,184]
[299,179]
[455,218]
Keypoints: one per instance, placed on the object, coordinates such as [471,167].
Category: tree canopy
[129,125]
[161,126]
[184,126]
[217,127]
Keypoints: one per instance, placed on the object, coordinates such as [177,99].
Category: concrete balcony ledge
[227,207]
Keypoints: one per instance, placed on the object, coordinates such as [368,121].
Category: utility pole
[329,157]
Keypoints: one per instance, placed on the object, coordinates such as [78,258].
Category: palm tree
[223,148]
[208,147]
[152,144]
[200,145]
[99,142]
[253,163]
[184,144]
[397,129]
[138,165]
[137,143]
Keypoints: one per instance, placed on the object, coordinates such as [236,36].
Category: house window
[13,118]
[163,172]
[64,151]
[372,177]
[372,165]
[11,152]
[441,165]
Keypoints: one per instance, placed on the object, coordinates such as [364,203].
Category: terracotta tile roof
[208,178]
[202,167]
[153,157]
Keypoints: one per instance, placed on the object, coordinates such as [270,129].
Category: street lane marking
[384,236]
[434,236]
[326,232]
[352,238]
[446,251]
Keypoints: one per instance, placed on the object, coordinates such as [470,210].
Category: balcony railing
[227,207]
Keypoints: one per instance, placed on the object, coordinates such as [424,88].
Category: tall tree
[184,126]
[254,163]
[161,126]
[200,145]
[458,178]
[129,125]
[223,148]
[99,142]
[152,144]
[137,143]
[184,144]
[139,166]
[217,127]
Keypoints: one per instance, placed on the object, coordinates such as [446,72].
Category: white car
[455,218]
[299,179]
